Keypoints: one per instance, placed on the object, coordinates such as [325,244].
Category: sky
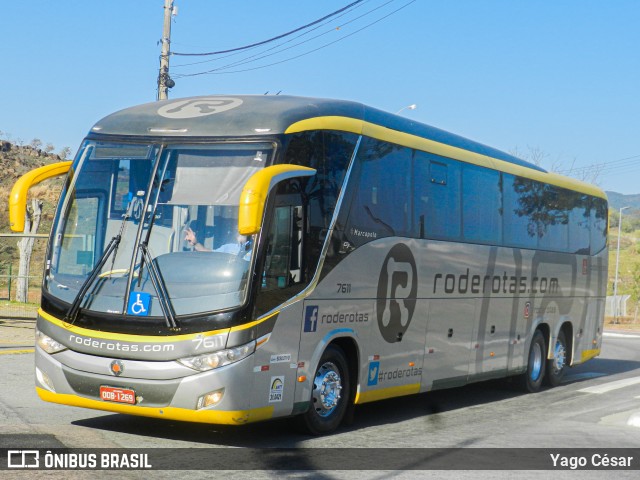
[556,80]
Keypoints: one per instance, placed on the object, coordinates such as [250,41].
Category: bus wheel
[531,380]
[556,367]
[330,394]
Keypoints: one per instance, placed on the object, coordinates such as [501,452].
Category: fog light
[210,399]
[44,380]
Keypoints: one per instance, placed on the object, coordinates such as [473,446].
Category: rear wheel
[557,365]
[531,380]
[330,395]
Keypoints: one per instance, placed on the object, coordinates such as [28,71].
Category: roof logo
[198,107]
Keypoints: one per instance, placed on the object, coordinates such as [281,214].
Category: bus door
[281,278]
[451,327]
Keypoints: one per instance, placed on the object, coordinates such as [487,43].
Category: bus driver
[242,244]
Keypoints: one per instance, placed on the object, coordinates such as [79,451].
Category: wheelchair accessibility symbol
[139,304]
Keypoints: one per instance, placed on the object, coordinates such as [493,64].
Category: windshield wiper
[84,288]
[89,281]
[159,286]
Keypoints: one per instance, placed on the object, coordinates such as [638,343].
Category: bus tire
[330,394]
[531,380]
[557,365]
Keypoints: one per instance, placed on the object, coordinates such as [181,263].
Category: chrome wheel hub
[559,357]
[326,389]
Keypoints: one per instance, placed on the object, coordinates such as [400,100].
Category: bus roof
[266,115]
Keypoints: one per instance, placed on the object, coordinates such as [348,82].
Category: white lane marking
[608,387]
[620,335]
[634,420]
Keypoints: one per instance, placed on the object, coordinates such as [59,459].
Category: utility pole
[615,282]
[164,81]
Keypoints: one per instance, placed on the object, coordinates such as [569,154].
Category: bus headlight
[48,344]
[209,361]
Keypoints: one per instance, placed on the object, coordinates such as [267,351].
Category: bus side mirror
[18,196]
[255,192]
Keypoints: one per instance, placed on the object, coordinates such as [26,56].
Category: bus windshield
[177,204]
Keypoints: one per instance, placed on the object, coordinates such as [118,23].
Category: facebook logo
[311,318]
[374,368]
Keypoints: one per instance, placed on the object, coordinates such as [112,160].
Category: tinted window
[482,204]
[520,229]
[436,197]
[598,225]
[579,223]
[381,203]
[552,214]
[330,154]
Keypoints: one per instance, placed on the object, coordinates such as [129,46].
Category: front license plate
[118,395]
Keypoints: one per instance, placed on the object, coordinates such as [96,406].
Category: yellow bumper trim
[233,417]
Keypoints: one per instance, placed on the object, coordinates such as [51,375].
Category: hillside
[15,161]
[618,200]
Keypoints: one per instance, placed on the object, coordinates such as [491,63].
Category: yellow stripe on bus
[125,337]
[230,417]
[361,127]
[589,354]
[383,393]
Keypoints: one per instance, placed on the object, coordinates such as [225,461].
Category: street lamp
[413,106]
[615,282]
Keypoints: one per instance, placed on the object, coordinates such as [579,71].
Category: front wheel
[330,395]
[557,365]
[531,380]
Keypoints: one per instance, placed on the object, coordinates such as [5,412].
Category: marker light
[209,361]
[48,344]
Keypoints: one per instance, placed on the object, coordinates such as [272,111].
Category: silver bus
[232,259]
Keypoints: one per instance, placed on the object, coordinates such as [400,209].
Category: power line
[256,57]
[284,43]
[622,164]
[271,39]
[218,71]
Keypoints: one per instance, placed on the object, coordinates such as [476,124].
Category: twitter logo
[374,367]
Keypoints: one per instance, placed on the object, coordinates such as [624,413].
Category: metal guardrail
[9,308]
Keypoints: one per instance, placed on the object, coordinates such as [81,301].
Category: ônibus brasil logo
[397,290]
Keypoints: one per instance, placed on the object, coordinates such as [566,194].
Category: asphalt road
[597,406]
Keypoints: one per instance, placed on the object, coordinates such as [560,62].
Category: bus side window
[437,204]
[283,274]
[282,266]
